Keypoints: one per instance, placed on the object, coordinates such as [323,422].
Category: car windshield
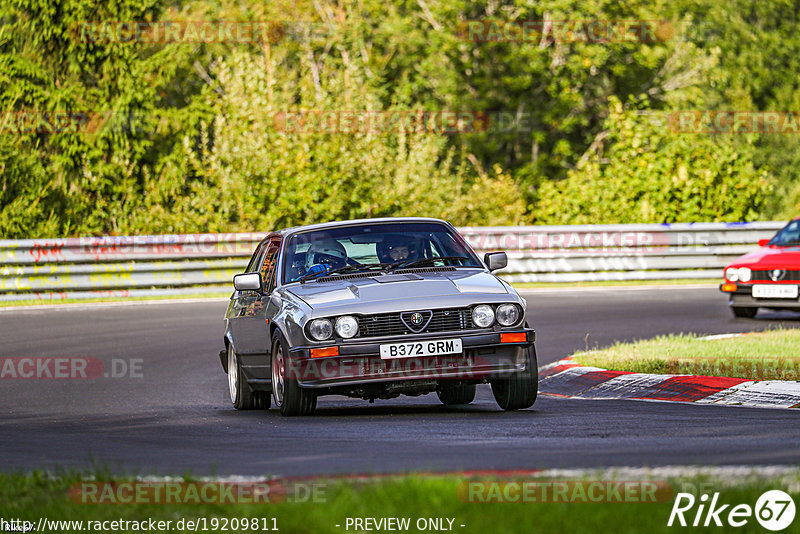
[374,247]
[789,236]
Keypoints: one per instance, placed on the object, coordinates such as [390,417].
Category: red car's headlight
[738,274]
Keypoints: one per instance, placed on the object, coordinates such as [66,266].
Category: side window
[251,264]
[268,266]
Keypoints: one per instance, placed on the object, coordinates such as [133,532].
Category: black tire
[746,313]
[242,397]
[289,397]
[519,390]
[456,394]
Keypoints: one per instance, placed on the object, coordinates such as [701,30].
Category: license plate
[432,347]
[774,291]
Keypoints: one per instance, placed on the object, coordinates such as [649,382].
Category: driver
[396,248]
[326,252]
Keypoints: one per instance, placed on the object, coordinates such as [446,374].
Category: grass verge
[770,355]
[33,496]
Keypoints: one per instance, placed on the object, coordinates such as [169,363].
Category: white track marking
[765,394]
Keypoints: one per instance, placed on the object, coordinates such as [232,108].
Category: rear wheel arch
[241,395]
[227,344]
[228,339]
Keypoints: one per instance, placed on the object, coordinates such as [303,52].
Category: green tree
[260,168]
[648,174]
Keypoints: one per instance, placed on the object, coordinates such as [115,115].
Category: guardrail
[620,251]
[91,267]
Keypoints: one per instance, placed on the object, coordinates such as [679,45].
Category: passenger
[396,248]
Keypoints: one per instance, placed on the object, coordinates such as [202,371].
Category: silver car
[374,309]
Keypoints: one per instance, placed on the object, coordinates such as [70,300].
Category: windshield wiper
[382,267]
[345,269]
[418,263]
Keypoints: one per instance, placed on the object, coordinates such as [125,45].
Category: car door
[248,314]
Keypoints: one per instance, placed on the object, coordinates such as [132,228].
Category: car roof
[335,224]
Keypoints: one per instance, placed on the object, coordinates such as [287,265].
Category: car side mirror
[495,260]
[763,242]
[247,282]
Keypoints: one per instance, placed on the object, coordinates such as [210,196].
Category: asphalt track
[174,417]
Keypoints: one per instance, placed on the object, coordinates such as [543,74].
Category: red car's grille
[787,276]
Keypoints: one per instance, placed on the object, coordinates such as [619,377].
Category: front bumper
[483,357]
[743,298]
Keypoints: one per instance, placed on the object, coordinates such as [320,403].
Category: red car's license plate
[774,291]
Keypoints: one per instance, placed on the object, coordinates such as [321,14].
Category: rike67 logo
[774,510]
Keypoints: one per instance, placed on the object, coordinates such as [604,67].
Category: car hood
[771,258]
[381,288]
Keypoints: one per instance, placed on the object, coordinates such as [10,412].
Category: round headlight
[320,329]
[732,274]
[744,274]
[507,314]
[483,316]
[346,326]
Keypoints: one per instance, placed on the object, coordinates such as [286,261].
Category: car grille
[789,275]
[390,324]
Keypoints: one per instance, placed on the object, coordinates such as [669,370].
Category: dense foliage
[188,136]
[650,174]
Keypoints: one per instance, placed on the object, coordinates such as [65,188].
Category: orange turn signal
[728,287]
[323,353]
[513,337]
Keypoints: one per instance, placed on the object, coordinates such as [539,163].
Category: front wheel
[242,397]
[747,313]
[287,393]
[519,390]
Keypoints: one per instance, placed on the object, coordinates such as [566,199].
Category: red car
[768,277]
